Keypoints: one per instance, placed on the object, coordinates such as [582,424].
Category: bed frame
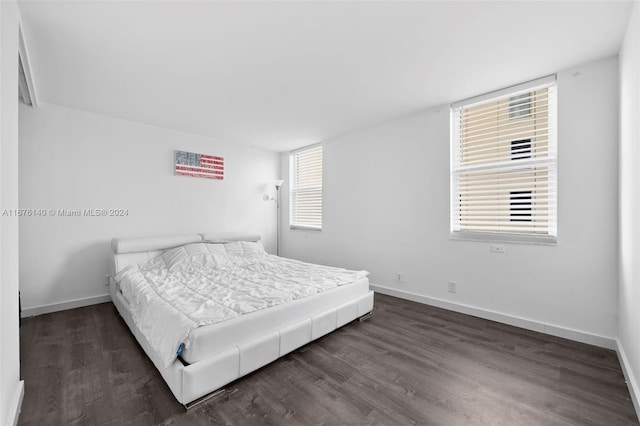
[194,383]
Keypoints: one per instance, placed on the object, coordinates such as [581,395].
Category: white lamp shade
[278,183]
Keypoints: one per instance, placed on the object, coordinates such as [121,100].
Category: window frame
[293,189]
[496,236]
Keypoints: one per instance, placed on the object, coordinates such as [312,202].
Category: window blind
[305,170]
[504,164]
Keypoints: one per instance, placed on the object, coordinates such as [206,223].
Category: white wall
[71,159]
[629,287]
[386,209]
[10,384]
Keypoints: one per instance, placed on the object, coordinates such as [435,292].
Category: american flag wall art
[199,165]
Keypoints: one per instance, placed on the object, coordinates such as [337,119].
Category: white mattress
[214,338]
[200,285]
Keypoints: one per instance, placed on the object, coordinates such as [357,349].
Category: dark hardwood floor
[408,364]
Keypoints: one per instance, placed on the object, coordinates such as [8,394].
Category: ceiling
[280,75]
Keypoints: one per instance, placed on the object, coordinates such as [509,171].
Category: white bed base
[194,383]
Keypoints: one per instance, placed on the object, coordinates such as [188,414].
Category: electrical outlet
[399,276]
[107,280]
[452,287]
[495,248]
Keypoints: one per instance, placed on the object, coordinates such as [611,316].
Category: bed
[254,332]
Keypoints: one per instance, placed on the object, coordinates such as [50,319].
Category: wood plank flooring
[409,364]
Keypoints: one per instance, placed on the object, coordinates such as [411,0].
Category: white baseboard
[632,385]
[16,404]
[63,306]
[554,330]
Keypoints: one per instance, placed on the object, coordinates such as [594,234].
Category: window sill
[304,228]
[504,238]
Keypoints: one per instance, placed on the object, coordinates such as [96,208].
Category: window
[520,206]
[305,196]
[504,165]
[521,149]
[520,105]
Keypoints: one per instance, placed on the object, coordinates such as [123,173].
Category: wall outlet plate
[497,248]
[452,287]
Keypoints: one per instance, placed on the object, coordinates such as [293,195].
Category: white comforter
[199,284]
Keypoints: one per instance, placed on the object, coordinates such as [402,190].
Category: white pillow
[175,258]
[245,248]
[196,255]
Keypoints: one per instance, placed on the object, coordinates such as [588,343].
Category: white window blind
[305,175]
[504,164]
